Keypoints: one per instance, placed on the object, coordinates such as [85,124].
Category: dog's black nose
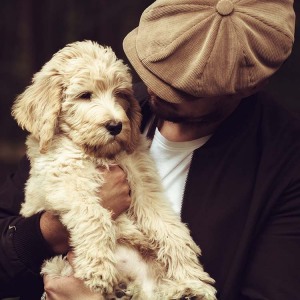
[114,128]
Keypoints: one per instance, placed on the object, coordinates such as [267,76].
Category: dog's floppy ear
[38,107]
[135,118]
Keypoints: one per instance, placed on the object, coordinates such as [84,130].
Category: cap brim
[158,86]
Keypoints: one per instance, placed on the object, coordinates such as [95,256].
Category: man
[229,157]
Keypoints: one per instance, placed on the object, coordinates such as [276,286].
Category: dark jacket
[241,203]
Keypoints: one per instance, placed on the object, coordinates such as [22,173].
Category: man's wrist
[54,233]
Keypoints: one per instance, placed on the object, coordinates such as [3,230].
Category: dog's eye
[85,95]
[122,95]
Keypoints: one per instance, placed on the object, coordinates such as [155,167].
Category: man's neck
[182,132]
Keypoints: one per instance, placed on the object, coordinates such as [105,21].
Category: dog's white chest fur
[132,265]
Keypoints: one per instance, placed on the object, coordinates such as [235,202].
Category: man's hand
[115,192]
[114,195]
[68,287]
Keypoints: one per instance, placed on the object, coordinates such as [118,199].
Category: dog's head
[84,92]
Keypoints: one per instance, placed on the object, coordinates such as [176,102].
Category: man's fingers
[70,258]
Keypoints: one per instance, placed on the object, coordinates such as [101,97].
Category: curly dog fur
[81,114]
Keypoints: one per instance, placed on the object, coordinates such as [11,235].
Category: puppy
[81,114]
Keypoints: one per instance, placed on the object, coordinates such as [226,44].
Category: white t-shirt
[173,161]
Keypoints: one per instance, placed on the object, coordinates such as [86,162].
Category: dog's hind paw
[189,290]
[120,292]
[56,267]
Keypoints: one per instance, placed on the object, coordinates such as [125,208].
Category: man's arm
[22,246]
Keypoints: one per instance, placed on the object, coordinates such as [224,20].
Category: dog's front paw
[99,283]
[190,289]
[100,279]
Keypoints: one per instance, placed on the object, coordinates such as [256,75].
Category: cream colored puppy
[81,114]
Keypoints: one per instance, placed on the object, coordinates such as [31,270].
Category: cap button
[225,7]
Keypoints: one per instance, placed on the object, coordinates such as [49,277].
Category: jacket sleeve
[273,271]
[22,247]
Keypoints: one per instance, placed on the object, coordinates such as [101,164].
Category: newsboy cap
[186,49]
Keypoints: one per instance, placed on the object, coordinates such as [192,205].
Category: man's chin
[205,121]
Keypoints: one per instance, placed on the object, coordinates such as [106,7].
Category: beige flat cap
[206,48]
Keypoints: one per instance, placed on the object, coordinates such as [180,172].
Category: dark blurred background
[32,31]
